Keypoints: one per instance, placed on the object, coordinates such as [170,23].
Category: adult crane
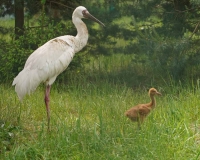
[52,58]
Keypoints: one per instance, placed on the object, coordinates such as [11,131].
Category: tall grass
[88,122]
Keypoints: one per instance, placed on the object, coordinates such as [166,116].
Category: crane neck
[152,104]
[82,33]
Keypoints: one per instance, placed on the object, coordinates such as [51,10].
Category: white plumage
[52,58]
[44,65]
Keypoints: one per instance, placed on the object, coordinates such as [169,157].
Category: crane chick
[139,112]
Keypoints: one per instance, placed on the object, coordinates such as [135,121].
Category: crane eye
[84,12]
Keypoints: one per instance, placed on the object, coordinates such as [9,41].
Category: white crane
[52,58]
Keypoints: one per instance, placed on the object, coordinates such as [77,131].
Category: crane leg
[139,125]
[46,100]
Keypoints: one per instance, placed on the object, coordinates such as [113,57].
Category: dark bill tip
[86,14]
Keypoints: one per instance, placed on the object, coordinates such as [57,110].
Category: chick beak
[158,93]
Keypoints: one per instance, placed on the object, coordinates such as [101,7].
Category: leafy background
[162,35]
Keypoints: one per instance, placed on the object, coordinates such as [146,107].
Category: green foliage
[160,34]
[160,37]
[12,57]
[166,54]
[7,132]
[6,7]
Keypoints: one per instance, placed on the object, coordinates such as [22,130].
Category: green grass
[87,117]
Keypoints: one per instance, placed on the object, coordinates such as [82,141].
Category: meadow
[87,116]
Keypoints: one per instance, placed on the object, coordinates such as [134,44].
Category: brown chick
[139,112]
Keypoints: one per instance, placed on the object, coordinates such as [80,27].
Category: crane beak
[87,15]
[158,93]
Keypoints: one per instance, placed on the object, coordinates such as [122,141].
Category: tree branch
[60,4]
[194,30]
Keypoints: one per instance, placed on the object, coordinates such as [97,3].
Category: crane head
[82,12]
[153,91]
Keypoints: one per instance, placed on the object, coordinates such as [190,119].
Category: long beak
[158,93]
[89,16]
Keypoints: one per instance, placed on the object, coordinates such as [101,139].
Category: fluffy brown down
[139,112]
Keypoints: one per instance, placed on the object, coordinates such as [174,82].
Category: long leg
[139,125]
[140,121]
[46,100]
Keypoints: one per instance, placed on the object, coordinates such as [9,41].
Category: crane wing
[44,65]
[144,110]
